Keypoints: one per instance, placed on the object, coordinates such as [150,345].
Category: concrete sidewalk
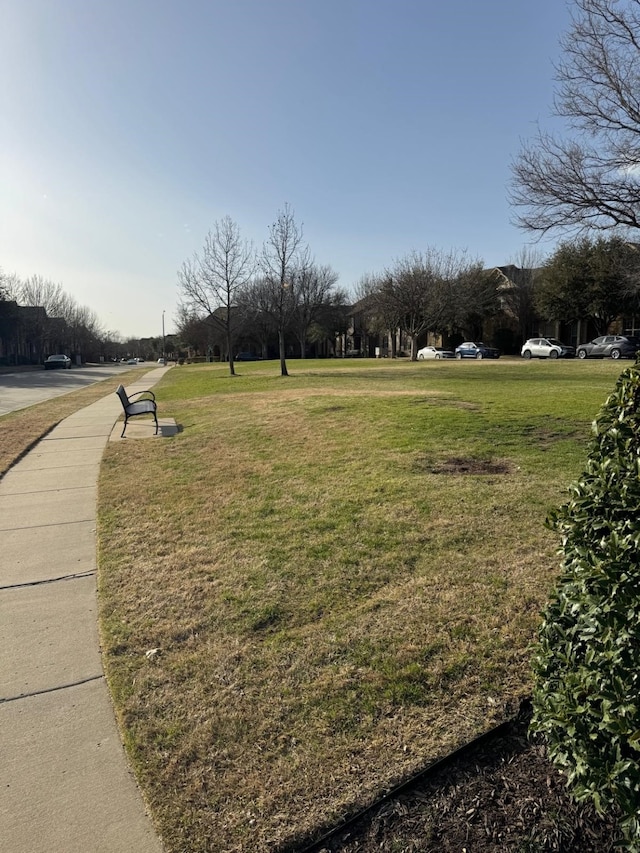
[65,784]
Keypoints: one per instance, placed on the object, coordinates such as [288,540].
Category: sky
[130,127]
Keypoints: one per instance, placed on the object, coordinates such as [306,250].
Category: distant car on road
[610,346]
[57,362]
[546,348]
[162,361]
[247,356]
[435,352]
[476,349]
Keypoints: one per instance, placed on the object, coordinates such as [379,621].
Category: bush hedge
[587,662]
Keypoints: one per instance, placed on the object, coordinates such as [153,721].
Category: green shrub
[587,663]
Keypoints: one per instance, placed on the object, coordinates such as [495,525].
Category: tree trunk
[232,371]
[283,362]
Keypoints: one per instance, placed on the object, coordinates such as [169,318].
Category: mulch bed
[502,795]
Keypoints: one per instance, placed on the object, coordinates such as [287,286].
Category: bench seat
[141,406]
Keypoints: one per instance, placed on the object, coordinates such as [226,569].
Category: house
[23,333]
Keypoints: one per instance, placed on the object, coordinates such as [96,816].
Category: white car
[546,348]
[434,352]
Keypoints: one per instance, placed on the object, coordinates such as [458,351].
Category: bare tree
[43,293]
[331,320]
[282,256]
[9,286]
[211,281]
[8,312]
[518,296]
[313,288]
[50,325]
[193,331]
[435,291]
[85,330]
[592,179]
[255,309]
[381,316]
[473,298]
[411,285]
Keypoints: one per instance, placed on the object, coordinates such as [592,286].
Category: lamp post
[163,355]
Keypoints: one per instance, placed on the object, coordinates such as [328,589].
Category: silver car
[546,348]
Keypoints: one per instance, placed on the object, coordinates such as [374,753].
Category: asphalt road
[20,388]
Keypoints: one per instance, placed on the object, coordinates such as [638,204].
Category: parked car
[546,348]
[476,349]
[610,346]
[162,361]
[247,356]
[59,361]
[435,352]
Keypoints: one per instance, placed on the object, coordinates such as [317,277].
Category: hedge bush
[587,662]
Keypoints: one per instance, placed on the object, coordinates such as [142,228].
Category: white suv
[546,348]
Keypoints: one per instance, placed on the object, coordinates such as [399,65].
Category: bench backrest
[123,396]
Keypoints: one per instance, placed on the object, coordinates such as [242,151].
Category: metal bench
[144,406]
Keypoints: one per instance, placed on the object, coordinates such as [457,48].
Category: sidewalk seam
[52,689]
[70,577]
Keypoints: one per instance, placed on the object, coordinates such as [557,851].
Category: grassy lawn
[327,581]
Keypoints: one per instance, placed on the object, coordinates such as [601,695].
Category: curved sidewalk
[65,784]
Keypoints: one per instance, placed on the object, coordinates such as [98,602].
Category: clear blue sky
[130,126]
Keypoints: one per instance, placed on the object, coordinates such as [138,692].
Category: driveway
[20,387]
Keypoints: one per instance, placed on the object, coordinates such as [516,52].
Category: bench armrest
[152,396]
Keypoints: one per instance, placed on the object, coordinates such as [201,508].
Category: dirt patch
[502,796]
[547,436]
[467,465]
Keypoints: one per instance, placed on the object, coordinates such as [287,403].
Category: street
[22,387]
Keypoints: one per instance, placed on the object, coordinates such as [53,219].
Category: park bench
[145,406]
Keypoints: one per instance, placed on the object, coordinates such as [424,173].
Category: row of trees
[592,279]
[229,288]
[38,317]
[442,293]
[231,292]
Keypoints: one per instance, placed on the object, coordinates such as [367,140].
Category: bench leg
[124,427]
[155,417]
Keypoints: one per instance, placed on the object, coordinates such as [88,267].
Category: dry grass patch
[326,614]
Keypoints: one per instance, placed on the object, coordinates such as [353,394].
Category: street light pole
[163,355]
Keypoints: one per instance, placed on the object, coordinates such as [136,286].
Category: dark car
[55,362]
[247,356]
[476,349]
[610,346]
